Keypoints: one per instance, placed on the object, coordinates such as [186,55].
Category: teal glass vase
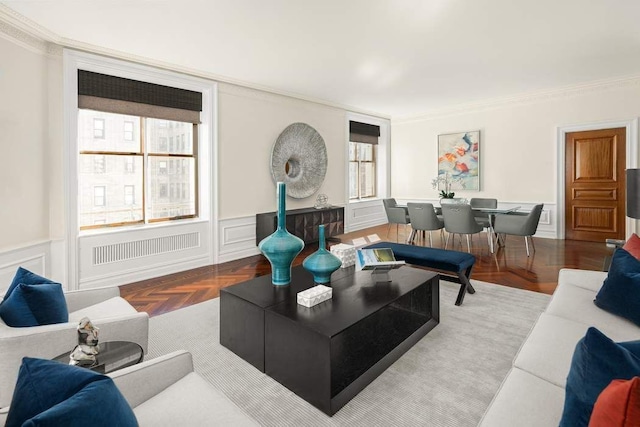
[281,247]
[321,263]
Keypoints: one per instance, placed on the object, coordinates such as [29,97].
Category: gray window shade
[363,132]
[125,96]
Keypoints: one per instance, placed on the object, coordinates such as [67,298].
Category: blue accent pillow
[597,360]
[620,292]
[34,305]
[28,278]
[50,393]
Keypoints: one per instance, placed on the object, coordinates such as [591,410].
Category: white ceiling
[394,57]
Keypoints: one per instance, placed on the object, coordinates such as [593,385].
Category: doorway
[594,184]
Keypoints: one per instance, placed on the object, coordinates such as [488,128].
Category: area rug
[447,379]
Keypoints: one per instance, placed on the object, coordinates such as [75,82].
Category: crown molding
[533,97]
[33,36]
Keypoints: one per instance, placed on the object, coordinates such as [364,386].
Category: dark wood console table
[303,223]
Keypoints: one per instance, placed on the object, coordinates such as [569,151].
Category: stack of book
[377,259]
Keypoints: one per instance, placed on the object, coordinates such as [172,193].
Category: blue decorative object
[282,247]
[50,393]
[322,262]
[597,360]
[34,305]
[620,292]
[27,277]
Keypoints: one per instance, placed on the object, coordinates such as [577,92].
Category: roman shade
[113,94]
[363,132]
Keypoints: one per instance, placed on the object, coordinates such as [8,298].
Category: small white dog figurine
[87,348]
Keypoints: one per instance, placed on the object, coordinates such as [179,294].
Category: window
[99,164]
[162,167]
[128,131]
[149,153]
[131,163]
[163,193]
[362,170]
[98,128]
[99,196]
[129,195]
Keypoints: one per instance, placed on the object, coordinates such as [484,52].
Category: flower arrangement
[446,180]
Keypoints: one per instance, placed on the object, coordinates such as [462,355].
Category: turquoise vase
[282,247]
[322,262]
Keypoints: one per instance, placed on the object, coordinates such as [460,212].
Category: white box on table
[315,295]
[346,254]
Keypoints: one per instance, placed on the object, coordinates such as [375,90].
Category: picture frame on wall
[459,160]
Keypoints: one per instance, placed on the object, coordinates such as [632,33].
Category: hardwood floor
[509,266]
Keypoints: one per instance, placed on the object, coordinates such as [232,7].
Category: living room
[522,114]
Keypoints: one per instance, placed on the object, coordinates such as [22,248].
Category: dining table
[491,213]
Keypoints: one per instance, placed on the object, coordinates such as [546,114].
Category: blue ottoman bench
[458,263]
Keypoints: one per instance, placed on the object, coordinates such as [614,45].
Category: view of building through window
[362,170]
[124,180]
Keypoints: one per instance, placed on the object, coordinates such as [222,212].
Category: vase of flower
[281,247]
[322,263]
[445,182]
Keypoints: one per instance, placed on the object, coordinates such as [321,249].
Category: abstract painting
[459,161]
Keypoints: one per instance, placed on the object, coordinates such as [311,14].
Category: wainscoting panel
[34,257]
[237,238]
[364,214]
[126,256]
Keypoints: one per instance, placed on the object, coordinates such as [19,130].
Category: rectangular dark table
[328,353]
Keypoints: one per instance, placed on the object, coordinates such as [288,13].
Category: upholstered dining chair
[423,218]
[395,215]
[481,217]
[459,219]
[519,224]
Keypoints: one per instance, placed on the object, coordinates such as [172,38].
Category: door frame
[631,127]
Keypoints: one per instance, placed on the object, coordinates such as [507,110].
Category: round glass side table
[113,355]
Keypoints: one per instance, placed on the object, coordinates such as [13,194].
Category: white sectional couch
[533,392]
[165,391]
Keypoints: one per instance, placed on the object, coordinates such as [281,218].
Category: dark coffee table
[328,353]
[113,355]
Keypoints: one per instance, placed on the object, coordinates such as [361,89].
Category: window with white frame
[363,145]
[129,195]
[134,163]
[99,195]
[128,131]
[98,128]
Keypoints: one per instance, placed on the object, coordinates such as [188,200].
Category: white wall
[249,123]
[518,140]
[33,195]
[25,167]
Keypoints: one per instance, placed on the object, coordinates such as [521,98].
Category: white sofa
[533,392]
[166,392]
[116,318]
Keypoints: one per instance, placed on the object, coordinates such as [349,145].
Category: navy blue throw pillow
[27,277]
[620,292]
[34,305]
[597,360]
[50,393]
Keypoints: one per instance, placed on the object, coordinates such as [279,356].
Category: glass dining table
[491,213]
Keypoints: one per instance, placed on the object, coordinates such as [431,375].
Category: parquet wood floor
[509,266]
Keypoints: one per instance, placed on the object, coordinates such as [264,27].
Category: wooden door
[595,185]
